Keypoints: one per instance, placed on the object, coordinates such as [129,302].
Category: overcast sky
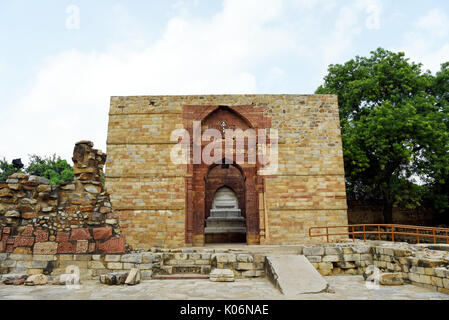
[60,61]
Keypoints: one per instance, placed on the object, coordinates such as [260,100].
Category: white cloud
[69,99]
[373,9]
[435,23]
[427,42]
[349,24]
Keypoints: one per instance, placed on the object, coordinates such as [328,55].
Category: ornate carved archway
[197,202]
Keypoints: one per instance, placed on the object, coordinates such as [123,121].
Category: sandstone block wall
[424,265]
[145,186]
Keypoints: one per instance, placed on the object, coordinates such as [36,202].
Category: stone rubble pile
[75,217]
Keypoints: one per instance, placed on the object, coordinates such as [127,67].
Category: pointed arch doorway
[225,205]
[199,196]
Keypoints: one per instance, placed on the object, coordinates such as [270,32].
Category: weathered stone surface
[46,248]
[95,265]
[12,214]
[224,257]
[18,175]
[115,278]
[102,233]
[82,246]
[36,280]
[66,247]
[295,275]
[222,275]
[134,277]
[6,193]
[38,180]
[113,258]
[92,189]
[132,258]
[41,235]
[80,234]
[13,278]
[23,241]
[70,187]
[148,257]
[114,245]
[391,279]
[62,236]
[313,251]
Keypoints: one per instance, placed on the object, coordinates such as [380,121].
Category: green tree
[392,127]
[53,168]
[6,169]
[438,160]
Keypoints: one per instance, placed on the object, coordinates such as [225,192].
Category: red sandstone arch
[197,202]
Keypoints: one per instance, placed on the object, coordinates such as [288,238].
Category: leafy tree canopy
[53,168]
[394,121]
[6,169]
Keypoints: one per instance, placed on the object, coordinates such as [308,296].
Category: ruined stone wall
[75,217]
[149,192]
[365,212]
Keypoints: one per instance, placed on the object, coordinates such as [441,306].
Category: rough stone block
[112,258]
[134,277]
[132,258]
[446,283]
[436,281]
[391,279]
[245,258]
[351,257]
[146,274]
[45,248]
[80,234]
[243,266]
[440,272]
[150,257]
[331,258]
[41,235]
[36,280]
[23,241]
[113,245]
[314,259]
[95,265]
[66,247]
[221,275]
[128,266]
[102,233]
[313,251]
[115,265]
[62,236]
[21,257]
[9,263]
[82,246]
[39,264]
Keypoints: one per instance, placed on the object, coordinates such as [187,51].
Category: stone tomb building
[163,203]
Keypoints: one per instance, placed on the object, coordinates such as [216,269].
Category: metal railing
[359,230]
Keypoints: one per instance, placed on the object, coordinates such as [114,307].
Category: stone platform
[346,287]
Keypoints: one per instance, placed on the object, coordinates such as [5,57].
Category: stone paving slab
[295,275]
[346,287]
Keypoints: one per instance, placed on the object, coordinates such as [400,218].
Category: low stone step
[224,230]
[179,276]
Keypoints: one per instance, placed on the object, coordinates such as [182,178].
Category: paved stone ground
[346,287]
